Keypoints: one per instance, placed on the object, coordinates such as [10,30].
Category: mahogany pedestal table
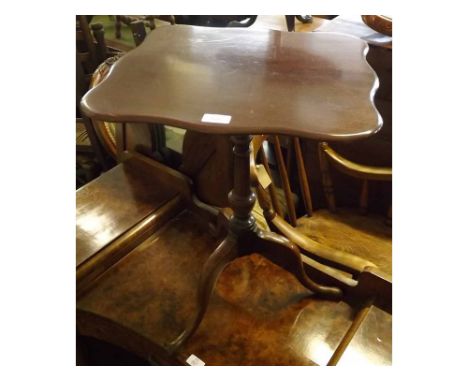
[242,82]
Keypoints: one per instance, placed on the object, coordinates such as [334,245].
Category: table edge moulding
[240,81]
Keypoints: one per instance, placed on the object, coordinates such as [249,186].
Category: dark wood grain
[150,292]
[258,323]
[146,299]
[267,81]
[113,203]
[88,271]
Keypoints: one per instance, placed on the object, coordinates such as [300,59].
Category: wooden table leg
[244,238]
[290,22]
[217,261]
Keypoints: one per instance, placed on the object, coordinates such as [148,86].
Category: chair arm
[355,169]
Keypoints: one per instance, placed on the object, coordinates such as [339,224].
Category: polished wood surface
[88,271]
[150,292]
[347,231]
[148,297]
[124,199]
[113,203]
[266,81]
[372,342]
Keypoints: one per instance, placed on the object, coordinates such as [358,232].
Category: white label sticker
[216,118]
[193,360]
[263,176]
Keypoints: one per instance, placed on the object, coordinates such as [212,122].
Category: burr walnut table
[243,82]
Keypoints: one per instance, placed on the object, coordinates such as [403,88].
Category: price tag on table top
[216,118]
[193,360]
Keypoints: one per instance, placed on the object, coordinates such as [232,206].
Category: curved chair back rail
[286,221]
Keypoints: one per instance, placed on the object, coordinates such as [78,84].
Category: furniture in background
[234,21]
[373,151]
[126,300]
[130,214]
[339,242]
[291,24]
[147,21]
[91,50]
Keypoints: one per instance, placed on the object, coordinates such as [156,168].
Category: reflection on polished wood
[267,81]
[121,208]
[256,324]
[372,342]
[146,299]
[109,206]
[150,292]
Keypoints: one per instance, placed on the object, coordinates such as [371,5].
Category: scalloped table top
[239,81]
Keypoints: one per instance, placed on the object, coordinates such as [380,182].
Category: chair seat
[365,236]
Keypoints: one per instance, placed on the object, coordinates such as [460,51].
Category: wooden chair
[91,51]
[115,138]
[346,239]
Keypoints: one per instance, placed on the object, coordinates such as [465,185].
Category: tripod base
[275,248]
